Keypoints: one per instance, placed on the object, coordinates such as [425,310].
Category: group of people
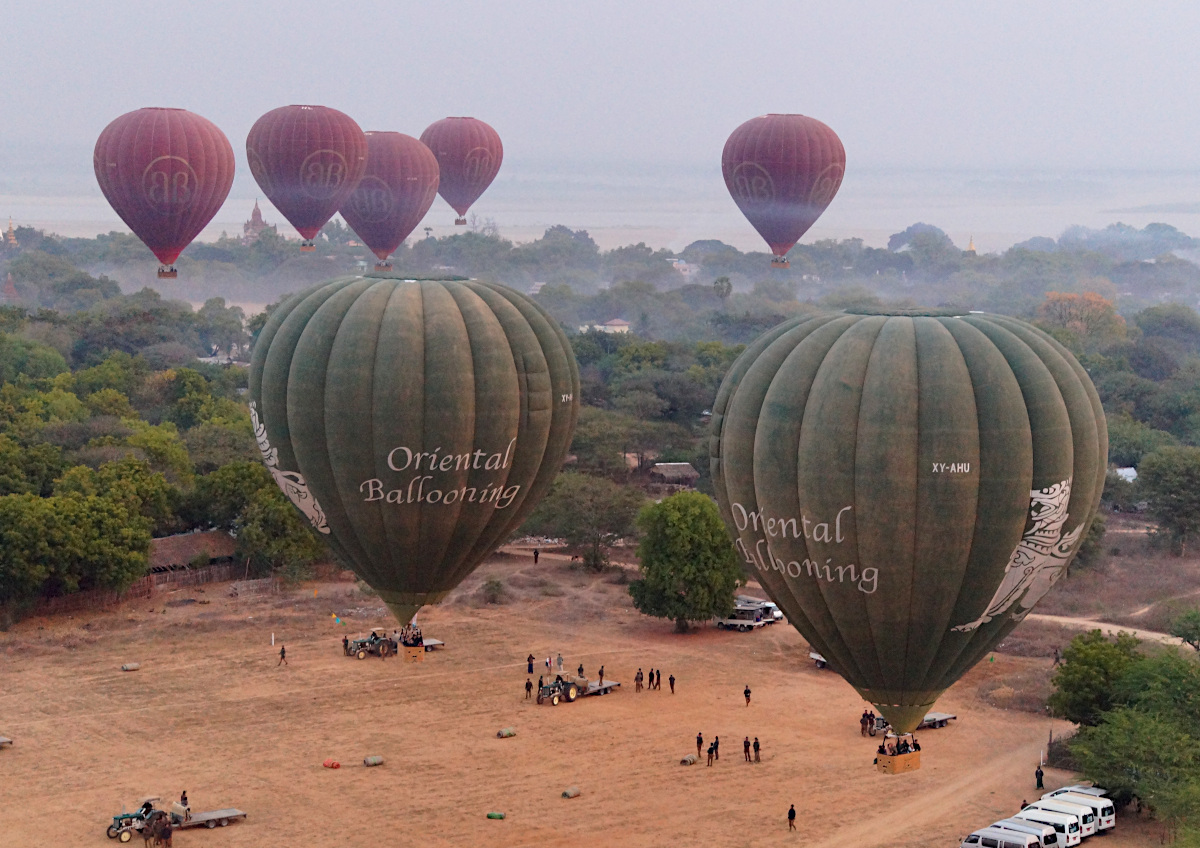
[867,721]
[409,636]
[653,680]
[714,748]
[902,747]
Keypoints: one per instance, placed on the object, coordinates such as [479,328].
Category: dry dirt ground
[210,711]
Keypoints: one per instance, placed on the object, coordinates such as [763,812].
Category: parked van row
[1061,819]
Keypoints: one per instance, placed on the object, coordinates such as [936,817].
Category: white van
[1106,813]
[1086,815]
[1083,789]
[1067,827]
[994,837]
[1045,832]
[771,611]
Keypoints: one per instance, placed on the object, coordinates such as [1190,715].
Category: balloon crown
[415,278]
[905,312]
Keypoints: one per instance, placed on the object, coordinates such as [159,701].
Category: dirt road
[1105,627]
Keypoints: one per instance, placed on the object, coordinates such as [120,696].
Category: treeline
[96,461]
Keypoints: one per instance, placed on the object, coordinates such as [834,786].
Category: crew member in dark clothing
[671,680]
[601,675]
[711,751]
[658,680]
[1039,774]
[717,747]
[746,748]
[346,645]
[747,694]
[540,685]
[528,688]
[792,817]
[581,669]
[535,556]
[756,750]
[529,661]
[699,743]
[282,656]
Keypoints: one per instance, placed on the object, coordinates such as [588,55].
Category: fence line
[145,587]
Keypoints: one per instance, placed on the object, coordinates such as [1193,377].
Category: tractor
[379,644]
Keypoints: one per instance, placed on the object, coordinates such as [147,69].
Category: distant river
[671,207]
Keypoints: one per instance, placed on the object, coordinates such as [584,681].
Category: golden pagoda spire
[11,235]
[971,244]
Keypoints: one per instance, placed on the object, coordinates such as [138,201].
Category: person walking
[747,694]
[756,750]
[658,680]
[746,748]
[717,747]
[711,752]
[863,723]
[282,657]
[529,661]
[528,688]
[699,743]
[792,817]
[1039,774]
[1057,658]
[671,680]
[559,660]
[637,681]
[535,556]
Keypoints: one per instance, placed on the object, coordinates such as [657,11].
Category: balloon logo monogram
[752,183]
[322,173]
[168,184]
[477,165]
[373,200]
[826,185]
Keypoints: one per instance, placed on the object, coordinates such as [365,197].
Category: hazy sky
[986,84]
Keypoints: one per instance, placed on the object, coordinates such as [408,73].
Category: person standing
[756,750]
[535,556]
[346,645]
[529,661]
[671,680]
[747,694]
[282,657]
[601,675]
[658,680]
[792,817]
[699,743]
[1039,774]
[717,747]
[580,669]
[559,660]
[746,748]
[863,723]
[711,752]
[528,688]
[637,681]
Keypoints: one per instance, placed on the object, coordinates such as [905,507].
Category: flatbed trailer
[430,644]
[596,688]
[212,818]
[936,720]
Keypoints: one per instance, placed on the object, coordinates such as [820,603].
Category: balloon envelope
[396,191]
[906,487]
[166,172]
[415,422]
[783,171]
[307,160]
[469,154]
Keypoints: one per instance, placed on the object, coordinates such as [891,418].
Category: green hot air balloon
[415,422]
[907,485]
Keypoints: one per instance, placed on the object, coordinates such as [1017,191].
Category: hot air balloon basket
[167,273]
[414,653]
[899,763]
[780,262]
[460,222]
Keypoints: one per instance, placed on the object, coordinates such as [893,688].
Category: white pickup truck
[744,617]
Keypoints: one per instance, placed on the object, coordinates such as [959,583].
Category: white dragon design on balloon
[291,482]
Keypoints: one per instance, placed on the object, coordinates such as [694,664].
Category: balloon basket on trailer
[383,266]
[308,246]
[167,273]
[460,222]
[780,262]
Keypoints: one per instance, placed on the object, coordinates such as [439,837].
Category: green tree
[220,497]
[273,537]
[1091,549]
[1136,754]
[1091,665]
[1170,479]
[587,512]
[130,481]
[1129,440]
[31,359]
[689,570]
[1187,628]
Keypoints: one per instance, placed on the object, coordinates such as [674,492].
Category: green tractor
[558,690]
[378,644]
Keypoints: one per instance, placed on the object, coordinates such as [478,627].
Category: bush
[492,591]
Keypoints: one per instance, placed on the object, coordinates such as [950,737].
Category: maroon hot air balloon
[783,171]
[394,194]
[166,172]
[307,160]
[469,154]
